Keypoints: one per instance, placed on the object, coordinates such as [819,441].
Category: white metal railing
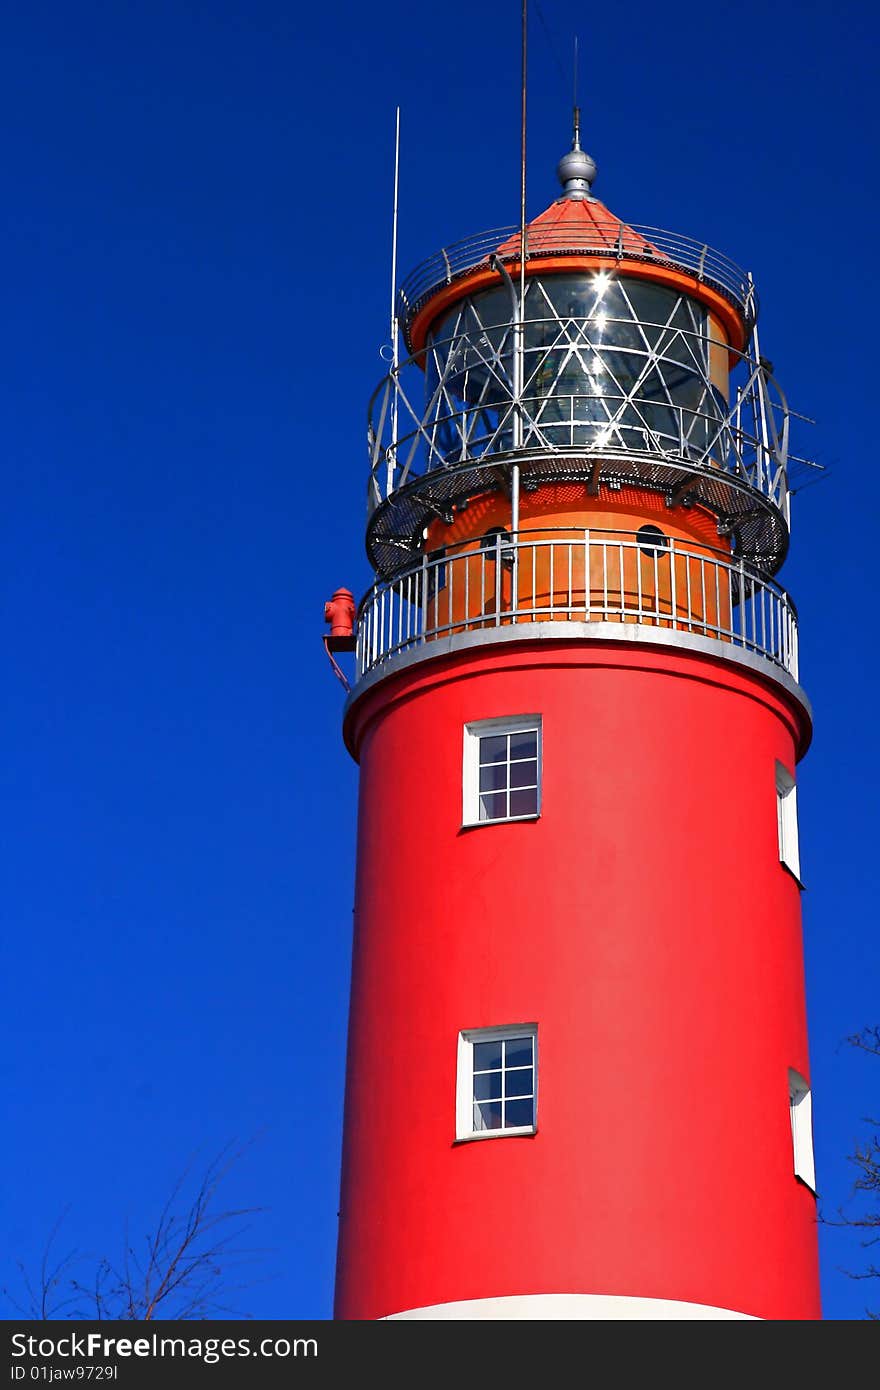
[631,241]
[584,576]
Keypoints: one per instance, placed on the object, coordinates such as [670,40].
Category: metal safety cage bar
[589,576]
[652,245]
[655,413]
[455,403]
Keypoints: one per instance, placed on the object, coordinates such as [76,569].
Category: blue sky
[195,282]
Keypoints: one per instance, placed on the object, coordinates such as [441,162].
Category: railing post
[450,597]
[424,597]
[587,574]
[498,585]
[374,634]
[672,589]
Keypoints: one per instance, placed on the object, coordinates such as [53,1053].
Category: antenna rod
[576,143]
[522,185]
[518,326]
[394,344]
[395,336]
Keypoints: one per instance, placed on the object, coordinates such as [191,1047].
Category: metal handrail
[583,576]
[633,242]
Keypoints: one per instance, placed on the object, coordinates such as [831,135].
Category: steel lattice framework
[609,394]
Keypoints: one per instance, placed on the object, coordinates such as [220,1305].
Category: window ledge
[791,873]
[525,1132]
[502,820]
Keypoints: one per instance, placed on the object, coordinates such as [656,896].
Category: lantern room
[584,429]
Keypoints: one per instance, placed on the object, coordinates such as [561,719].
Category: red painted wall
[646,924]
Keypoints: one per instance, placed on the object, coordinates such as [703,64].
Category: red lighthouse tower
[578,1081]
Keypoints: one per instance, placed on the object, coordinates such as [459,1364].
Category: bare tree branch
[866,1186]
[181,1272]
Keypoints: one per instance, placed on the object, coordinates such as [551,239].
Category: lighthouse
[578,1077]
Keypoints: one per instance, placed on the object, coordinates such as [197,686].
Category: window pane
[524,803]
[487,1086]
[487,1114]
[487,1056]
[494,777]
[493,805]
[493,749]
[518,1112]
[524,774]
[518,1052]
[524,745]
[518,1083]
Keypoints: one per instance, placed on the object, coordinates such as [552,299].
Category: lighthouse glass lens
[595,349]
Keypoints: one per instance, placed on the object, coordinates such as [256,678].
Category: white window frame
[488,728]
[464,1089]
[787,820]
[800,1102]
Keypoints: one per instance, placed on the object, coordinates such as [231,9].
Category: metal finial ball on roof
[576,172]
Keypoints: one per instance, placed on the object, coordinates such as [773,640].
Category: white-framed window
[786,815]
[497,1086]
[502,769]
[800,1102]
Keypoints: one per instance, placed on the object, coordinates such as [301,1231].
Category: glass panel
[624,367]
[487,1086]
[653,387]
[493,749]
[518,1082]
[487,1114]
[524,803]
[518,1113]
[524,745]
[493,805]
[524,774]
[487,1056]
[494,777]
[518,1052]
[568,318]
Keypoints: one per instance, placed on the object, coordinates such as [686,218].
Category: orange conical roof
[582,224]
[575,232]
